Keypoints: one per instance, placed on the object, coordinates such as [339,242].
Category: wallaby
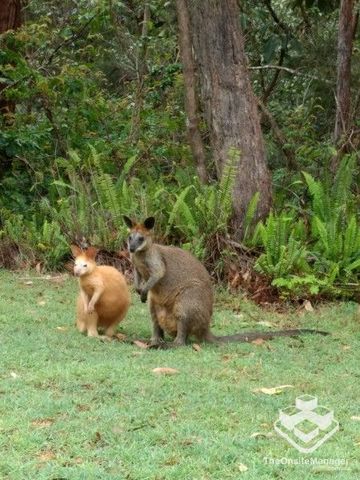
[104,295]
[180,291]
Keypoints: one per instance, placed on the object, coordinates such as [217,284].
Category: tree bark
[192,124]
[229,102]
[10,19]
[343,84]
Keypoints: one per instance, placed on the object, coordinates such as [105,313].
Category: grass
[76,408]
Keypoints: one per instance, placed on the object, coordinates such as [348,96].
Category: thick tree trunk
[344,52]
[10,19]
[229,103]
[194,136]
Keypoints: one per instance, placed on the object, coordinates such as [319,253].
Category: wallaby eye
[85,265]
[141,239]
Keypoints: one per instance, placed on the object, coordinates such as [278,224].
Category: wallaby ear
[75,250]
[149,223]
[91,252]
[128,221]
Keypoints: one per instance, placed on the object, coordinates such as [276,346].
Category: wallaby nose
[132,249]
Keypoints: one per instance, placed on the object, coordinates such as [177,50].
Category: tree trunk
[194,136]
[229,102]
[344,52]
[10,19]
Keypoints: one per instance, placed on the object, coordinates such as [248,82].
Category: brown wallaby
[180,291]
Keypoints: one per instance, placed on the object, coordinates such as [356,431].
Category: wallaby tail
[251,336]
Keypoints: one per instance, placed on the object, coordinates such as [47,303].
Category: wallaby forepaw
[143,296]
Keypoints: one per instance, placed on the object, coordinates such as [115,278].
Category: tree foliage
[99,130]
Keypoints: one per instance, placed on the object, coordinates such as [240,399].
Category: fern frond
[180,199]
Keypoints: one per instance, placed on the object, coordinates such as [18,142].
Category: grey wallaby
[180,291]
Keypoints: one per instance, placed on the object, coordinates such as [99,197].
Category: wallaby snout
[136,242]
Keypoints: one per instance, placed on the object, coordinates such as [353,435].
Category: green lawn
[77,408]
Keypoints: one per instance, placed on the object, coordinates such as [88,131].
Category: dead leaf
[355,417]
[246,275]
[191,441]
[140,344]
[196,347]
[87,386]
[308,307]
[46,455]
[228,357]
[346,347]
[272,390]
[235,281]
[28,282]
[42,422]
[165,371]
[172,461]
[83,408]
[14,375]
[62,329]
[258,341]
[242,467]
[41,303]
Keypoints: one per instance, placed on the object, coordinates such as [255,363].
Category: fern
[335,230]
[179,204]
[319,202]
[283,254]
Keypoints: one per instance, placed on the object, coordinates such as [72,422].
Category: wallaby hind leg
[91,324]
[110,330]
[157,338]
[81,325]
[182,332]
[183,315]
[192,314]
